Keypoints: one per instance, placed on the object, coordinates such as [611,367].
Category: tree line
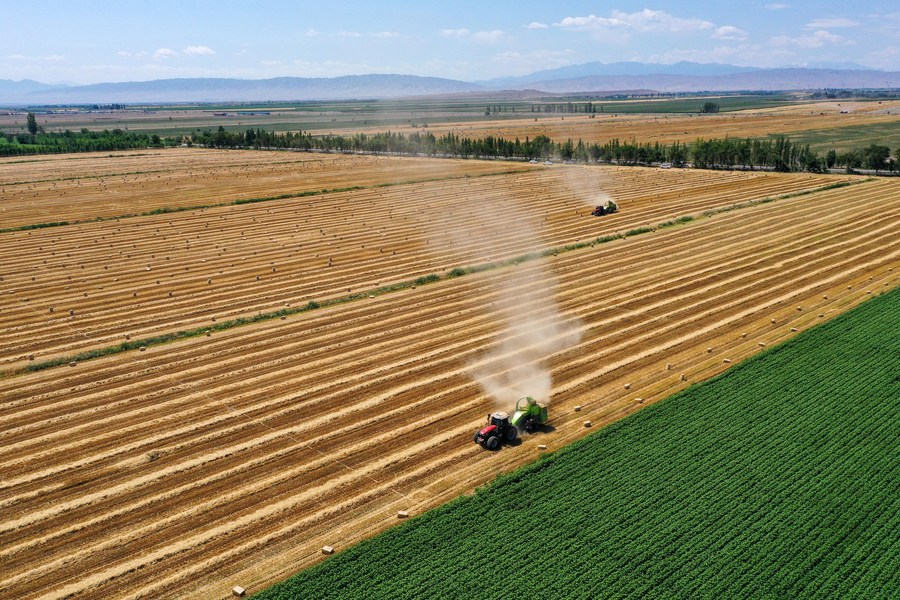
[41,142]
[779,154]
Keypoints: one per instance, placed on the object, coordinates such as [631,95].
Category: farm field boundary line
[240,201]
[432,278]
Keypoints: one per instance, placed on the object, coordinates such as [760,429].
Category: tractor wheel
[511,434]
[530,426]
[475,438]
[492,443]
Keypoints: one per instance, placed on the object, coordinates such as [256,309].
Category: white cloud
[386,34]
[312,33]
[831,23]
[729,32]
[816,40]
[48,57]
[886,58]
[198,51]
[485,37]
[163,53]
[777,6]
[349,34]
[455,32]
[488,37]
[536,25]
[588,23]
[645,21]
[123,53]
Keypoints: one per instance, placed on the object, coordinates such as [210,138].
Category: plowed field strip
[59,190]
[616,263]
[262,486]
[23,443]
[612,266]
[164,288]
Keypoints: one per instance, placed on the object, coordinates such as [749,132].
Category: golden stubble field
[191,467]
[792,118]
[668,128]
[69,187]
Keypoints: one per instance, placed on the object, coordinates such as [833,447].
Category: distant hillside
[615,69]
[574,79]
[233,90]
[10,88]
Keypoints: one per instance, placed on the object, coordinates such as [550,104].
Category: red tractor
[530,416]
[499,429]
[607,208]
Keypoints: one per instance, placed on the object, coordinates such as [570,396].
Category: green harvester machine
[530,415]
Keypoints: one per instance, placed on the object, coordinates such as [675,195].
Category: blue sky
[80,41]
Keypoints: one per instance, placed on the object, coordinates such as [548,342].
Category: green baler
[530,414]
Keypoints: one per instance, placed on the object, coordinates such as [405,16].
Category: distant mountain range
[584,78]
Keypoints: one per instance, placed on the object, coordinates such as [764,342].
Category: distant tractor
[608,208]
[530,415]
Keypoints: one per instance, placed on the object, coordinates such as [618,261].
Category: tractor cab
[499,429]
[499,419]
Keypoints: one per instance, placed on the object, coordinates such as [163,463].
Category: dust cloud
[531,325]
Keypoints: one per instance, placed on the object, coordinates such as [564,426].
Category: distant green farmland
[848,138]
[777,479]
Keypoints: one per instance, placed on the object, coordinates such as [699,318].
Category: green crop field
[778,479]
[853,137]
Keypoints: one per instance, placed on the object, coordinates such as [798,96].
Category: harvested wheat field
[665,128]
[196,466]
[81,287]
[79,187]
